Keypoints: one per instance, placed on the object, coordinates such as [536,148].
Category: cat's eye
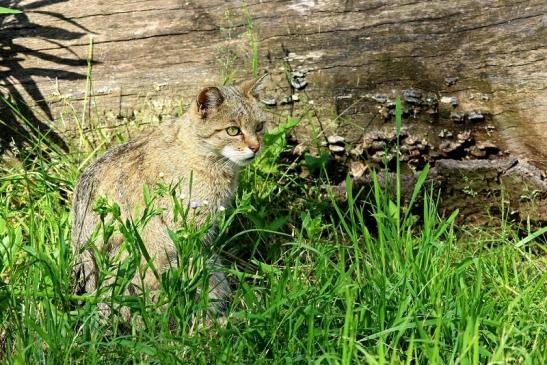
[233,131]
[260,127]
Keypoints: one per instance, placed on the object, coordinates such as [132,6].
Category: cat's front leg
[220,294]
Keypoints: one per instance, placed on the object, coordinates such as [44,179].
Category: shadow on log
[20,115]
[479,189]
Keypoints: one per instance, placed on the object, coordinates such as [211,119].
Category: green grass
[315,280]
[4,10]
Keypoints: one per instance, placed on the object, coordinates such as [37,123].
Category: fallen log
[471,75]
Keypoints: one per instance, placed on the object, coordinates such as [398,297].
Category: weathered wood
[496,50]
[355,56]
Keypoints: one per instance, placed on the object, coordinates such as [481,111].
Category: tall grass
[315,280]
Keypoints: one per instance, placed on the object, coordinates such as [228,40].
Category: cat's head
[229,122]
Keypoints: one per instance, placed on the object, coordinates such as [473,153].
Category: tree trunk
[471,74]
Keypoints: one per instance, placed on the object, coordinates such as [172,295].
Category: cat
[221,132]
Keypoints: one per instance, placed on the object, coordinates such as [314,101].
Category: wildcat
[221,132]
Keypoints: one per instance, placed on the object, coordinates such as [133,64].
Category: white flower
[221,208]
[194,204]
[161,174]
[182,196]
[206,202]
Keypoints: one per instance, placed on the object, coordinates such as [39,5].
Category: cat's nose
[254,147]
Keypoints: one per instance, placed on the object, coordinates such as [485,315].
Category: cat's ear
[208,99]
[253,88]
